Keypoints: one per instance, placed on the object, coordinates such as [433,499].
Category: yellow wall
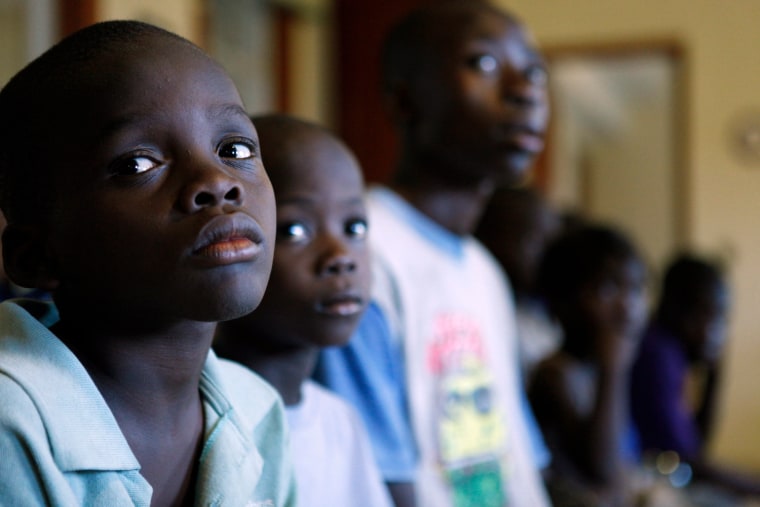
[723,193]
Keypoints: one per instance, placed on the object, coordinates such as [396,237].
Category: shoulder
[250,395]
[328,403]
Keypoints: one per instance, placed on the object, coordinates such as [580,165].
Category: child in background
[686,335]
[134,191]
[434,371]
[593,280]
[516,226]
[316,295]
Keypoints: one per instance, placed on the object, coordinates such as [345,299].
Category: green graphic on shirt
[478,486]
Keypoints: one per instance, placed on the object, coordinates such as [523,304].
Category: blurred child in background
[593,279]
[685,339]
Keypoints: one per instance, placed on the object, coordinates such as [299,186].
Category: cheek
[261,205]
[289,282]
[364,272]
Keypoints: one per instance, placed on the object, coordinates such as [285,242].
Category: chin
[230,305]
[516,169]
[335,334]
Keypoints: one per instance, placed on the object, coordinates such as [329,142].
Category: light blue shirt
[60,443]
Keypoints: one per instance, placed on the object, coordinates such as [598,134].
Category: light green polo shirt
[60,444]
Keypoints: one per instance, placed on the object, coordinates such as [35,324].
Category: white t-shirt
[332,456]
[455,314]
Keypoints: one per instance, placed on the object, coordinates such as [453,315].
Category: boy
[593,281]
[686,335]
[134,191]
[467,92]
[316,295]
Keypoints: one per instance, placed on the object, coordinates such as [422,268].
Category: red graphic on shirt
[455,338]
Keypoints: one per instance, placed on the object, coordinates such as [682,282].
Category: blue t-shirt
[371,358]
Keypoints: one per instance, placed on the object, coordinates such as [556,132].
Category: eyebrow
[312,200]
[227,110]
[217,111]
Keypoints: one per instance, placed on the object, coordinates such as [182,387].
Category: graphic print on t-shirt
[470,429]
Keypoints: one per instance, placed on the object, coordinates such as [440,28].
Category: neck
[144,372]
[286,369]
[455,206]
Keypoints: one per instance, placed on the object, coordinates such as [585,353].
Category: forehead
[622,267]
[459,25]
[158,81]
[310,161]
[158,69]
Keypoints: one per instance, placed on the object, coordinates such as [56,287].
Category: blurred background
[656,118]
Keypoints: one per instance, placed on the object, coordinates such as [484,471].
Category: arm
[607,424]
[586,431]
[705,412]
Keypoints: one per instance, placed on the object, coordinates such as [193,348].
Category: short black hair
[688,279]
[576,257]
[31,99]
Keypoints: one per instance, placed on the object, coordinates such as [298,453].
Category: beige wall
[723,195]
[183,17]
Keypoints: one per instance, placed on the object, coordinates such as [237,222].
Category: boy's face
[615,303]
[480,106]
[704,326]
[320,278]
[164,211]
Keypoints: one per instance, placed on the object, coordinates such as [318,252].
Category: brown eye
[484,63]
[134,165]
[292,231]
[356,228]
[537,75]
[238,150]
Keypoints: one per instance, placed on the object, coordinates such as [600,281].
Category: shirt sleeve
[541,452]
[369,373]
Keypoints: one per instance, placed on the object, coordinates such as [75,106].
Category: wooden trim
[284,21]
[668,46]
[75,14]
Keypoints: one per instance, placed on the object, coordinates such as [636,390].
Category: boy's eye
[238,150]
[134,165]
[356,228]
[484,63]
[537,75]
[292,231]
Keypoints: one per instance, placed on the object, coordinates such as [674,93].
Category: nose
[209,186]
[337,258]
[524,88]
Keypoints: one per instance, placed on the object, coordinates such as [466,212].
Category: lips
[524,138]
[341,305]
[228,239]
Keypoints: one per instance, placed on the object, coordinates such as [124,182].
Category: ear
[26,257]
